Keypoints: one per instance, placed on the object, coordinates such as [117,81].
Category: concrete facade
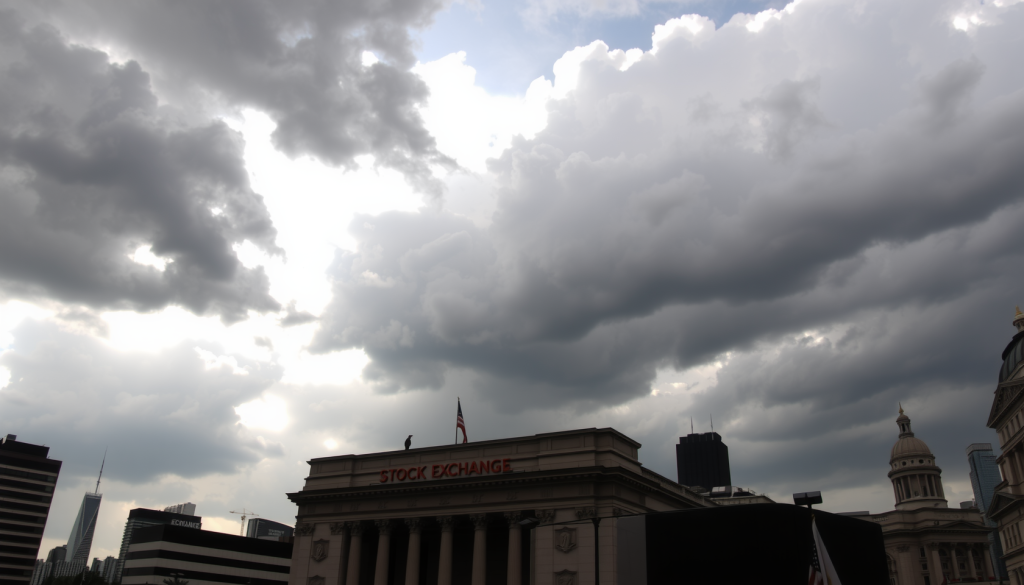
[521,510]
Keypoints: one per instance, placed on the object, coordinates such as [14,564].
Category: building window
[922,553]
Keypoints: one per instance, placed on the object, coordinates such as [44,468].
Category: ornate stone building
[527,510]
[927,542]
[1007,418]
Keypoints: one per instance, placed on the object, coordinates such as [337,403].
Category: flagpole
[458,401]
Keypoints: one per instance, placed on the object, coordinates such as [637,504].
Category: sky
[237,236]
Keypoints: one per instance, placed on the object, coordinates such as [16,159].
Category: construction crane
[244,513]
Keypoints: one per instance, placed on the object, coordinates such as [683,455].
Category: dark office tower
[27,479]
[702,459]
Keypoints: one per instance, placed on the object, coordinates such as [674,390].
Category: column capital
[903,548]
[545,516]
[414,524]
[355,527]
[337,528]
[383,527]
[447,523]
[933,546]
[479,521]
[305,529]
[513,518]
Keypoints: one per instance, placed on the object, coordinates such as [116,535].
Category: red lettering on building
[446,470]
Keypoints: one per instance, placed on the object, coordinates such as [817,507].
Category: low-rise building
[202,557]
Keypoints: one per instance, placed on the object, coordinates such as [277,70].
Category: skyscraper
[984,479]
[80,541]
[27,479]
[702,459]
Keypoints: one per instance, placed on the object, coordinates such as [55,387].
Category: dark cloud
[300,62]
[631,235]
[293,316]
[92,167]
[167,412]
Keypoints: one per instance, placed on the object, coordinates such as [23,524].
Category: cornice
[597,473]
[478,444]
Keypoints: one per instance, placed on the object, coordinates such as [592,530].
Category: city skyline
[235,239]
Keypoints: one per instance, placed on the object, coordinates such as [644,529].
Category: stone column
[954,562]
[905,564]
[937,562]
[444,566]
[479,549]
[929,559]
[412,560]
[514,576]
[355,550]
[380,573]
[970,563]
[990,569]
[340,529]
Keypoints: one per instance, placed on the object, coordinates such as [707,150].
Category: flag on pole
[821,572]
[460,423]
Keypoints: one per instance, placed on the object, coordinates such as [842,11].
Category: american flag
[821,572]
[815,576]
[460,423]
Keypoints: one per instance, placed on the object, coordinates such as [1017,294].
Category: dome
[1012,356]
[907,446]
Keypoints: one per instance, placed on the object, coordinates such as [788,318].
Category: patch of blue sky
[509,50]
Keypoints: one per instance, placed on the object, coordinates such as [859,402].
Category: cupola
[916,479]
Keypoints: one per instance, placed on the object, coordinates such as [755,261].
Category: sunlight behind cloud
[144,255]
[269,413]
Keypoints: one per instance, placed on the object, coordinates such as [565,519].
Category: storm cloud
[93,168]
[728,188]
[302,63]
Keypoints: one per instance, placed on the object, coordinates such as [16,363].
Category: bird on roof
[408,443]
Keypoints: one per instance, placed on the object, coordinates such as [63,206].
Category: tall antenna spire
[691,425]
[712,423]
[101,471]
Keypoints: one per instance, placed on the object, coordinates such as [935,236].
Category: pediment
[1006,394]
[1000,501]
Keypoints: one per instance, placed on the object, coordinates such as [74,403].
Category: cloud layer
[93,169]
[729,187]
[301,62]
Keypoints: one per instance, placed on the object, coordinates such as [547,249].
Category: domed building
[1006,417]
[916,480]
[926,541]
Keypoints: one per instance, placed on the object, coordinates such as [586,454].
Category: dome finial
[901,407]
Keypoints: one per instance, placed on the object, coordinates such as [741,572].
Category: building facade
[926,541]
[1007,418]
[140,518]
[202,557]
[531,510]
[27,480]
[702,460]
[984,479]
